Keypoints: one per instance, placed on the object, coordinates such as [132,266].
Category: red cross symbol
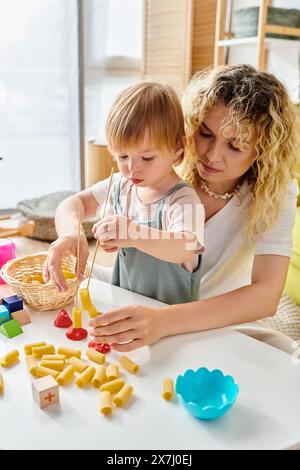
[49,397]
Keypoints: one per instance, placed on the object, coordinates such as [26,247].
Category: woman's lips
[209,169]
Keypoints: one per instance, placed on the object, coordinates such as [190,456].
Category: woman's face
[220,161]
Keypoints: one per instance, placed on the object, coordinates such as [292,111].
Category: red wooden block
[76,334]
[62,319]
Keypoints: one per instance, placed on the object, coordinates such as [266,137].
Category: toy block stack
[13,316]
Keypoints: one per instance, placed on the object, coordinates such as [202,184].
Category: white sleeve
[184,212]
[279,239]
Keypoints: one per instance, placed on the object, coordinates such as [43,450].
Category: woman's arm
[143,325]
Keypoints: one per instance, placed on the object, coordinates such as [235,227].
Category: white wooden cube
[45,391]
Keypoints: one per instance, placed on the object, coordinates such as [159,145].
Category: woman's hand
[116,231]
[62,246]
[128,328]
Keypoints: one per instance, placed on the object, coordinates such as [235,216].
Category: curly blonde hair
[256,101]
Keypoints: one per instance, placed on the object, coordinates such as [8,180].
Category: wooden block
[45,391]
[4,314]
[11,328]
[22,316]
[13,303]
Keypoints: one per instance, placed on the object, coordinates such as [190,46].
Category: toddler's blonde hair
[145,107]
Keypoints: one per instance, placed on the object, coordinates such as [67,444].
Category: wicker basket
[42,296]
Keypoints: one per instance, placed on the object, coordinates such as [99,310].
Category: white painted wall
[283,61]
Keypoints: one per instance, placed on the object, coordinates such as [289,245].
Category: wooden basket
[42,296]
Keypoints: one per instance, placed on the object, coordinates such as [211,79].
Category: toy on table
[25,230]
[45,391]
[76,332]
[206,394]
[7,252]
[84,294]
[12,316]
[62,319]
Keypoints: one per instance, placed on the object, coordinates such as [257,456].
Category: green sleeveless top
[142,273]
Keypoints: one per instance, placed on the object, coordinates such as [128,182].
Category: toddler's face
[146,165]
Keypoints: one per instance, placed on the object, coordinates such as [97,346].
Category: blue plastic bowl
[206,394]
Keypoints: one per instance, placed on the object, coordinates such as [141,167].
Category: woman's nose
[214,152]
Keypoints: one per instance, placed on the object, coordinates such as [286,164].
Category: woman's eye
[235,149]
[204,134]
[122,157]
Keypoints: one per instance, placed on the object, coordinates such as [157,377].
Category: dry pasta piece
[129,365]
[32,364]
[95,356]
[79,365]
[68,352]
[85,298]
[112,372]
[10,358]
[113,386]
[168,389]
[56,365]
[85,377]
[1,384]
[28,347]
[66,375]
[39,351]
[99,377]
[53,357]
[123,395]
[105,403]
[44,371]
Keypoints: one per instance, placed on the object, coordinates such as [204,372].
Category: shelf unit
[224,38]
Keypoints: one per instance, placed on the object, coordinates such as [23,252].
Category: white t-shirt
[228,260]
[178,213]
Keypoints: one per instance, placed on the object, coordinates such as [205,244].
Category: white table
[266,414]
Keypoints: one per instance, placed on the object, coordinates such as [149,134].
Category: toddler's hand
[115,231]
[62,246]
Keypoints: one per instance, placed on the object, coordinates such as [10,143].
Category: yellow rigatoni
[56,365]
[85,298]
[113,386]
[112,372]
[68,275]
[39,351]
[129,365]
[99,377]
[53,357]
[68,352]
[105,403]
[32,364]
[1,384]
[95,356]
[10,358]
[85,377]
[66,375]
[28,347]
[79,365]
[44,371]
[93,312]
[123,395]
[77,317]
[168,389]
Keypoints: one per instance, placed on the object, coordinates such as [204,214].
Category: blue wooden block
[4,314]
[13,303]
